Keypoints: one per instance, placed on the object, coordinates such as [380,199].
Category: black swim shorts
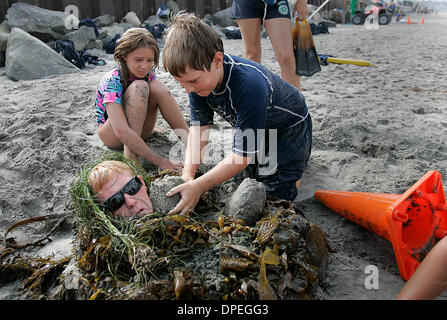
[292,154]
[243,9]
[294,147]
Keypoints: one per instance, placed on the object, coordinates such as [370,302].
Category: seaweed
[206,256]
[37,276]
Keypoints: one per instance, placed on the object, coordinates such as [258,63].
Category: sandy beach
[375,129]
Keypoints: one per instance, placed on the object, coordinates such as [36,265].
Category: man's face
[138,204]
[140,61]
[203,82]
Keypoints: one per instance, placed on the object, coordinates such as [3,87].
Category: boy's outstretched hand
[190,192]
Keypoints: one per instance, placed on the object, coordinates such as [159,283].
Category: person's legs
[249,15]
[135,108]
[136,100]
[280,34]
[430,278]
[161,98]
[251,36]
[293,149]
[108,137]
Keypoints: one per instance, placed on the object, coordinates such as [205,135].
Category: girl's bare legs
[161,98]
[251,36]
[135,110]
[136,100]
[280,34]
[140,117]
[141,112]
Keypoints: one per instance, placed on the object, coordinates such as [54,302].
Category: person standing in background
[276,18]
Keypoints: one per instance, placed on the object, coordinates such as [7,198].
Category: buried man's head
[119,190]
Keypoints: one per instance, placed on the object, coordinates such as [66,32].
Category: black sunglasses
[117,200]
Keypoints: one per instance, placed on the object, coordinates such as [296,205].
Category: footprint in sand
[44,133]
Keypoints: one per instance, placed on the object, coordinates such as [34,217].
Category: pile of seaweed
[205,256]
[24,273]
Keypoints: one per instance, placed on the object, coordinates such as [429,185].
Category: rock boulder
[223,18]
[153,20]
[82,38]
[247,202]
[3,41]
[108,33]
[159,188]
[104,21]
[41,23]
[132,18]
[29,58]
[4,27]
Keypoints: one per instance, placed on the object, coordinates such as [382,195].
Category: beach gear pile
[80,59]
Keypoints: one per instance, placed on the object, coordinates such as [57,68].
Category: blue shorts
[247,9]
[293,148]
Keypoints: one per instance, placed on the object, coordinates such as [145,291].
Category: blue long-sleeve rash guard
[249,97]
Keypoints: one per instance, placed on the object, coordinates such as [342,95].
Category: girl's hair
[131,40]
[190,43]
[104,172]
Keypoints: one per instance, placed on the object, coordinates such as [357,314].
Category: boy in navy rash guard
[270,116]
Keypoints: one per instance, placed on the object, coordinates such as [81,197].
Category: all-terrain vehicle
[360,15]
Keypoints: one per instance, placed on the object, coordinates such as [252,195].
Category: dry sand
[375,130]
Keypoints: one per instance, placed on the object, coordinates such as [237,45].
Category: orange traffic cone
[409,20]
[413,222]
[423,20]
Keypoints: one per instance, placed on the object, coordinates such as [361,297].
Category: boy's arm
[224,170]
[197,141]
[191,191]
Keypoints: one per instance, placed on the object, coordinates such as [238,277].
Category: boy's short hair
[190,43]
[104,172]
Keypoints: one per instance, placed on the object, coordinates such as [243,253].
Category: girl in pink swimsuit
[129,97]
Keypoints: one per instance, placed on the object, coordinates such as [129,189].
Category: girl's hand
[167,164]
